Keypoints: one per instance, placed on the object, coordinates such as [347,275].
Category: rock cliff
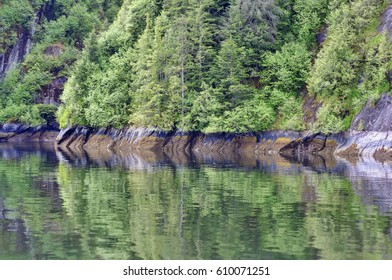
[370,135]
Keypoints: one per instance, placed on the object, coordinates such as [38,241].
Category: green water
[73,205]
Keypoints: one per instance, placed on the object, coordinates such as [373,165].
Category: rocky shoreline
[293,144]
[370,135]
[17,132]
[287,143]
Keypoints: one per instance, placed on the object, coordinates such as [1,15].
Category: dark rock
[274,135]
[17,132]
[50,94]
[311,144]
[22,47]
[76,137]
[14,127]
[65,134]
[322,35]
[16,53]
[366,144]
[310,108]
[54,50]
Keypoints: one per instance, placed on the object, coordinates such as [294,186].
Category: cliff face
[375,117]
[370,132]
[369,135]
[386,22]
[16,53]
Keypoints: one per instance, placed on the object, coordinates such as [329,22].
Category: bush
[28,115]
[47,111]
[329,120]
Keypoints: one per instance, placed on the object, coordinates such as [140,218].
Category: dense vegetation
[223,65]
[62,28]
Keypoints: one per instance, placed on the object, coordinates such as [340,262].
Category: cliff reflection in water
[63,204]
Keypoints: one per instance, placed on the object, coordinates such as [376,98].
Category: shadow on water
[73,204]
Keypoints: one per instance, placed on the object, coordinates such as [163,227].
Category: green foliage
[289,110]
[288,69]
[204,65]
[21,113]
[73,27]
[353,64]
[47,111]
[14,15]
[60,35]
[253,115]
[328,119]
[376,67]
[309,18]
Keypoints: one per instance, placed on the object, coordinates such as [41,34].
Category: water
[73,205]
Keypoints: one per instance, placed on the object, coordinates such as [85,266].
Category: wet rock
[22,47]
[16,53]
[375,139]
[311,144]
[17,132]
[64,134]
[366,144]
[369,136]
[270,142]
[154,139]
[14,127]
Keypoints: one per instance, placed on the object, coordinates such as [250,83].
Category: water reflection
[63,204]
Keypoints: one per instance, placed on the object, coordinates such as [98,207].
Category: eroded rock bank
[17,132]
[85,138]
[288,143]
[370,135]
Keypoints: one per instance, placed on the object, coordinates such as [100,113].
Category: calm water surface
[74,205]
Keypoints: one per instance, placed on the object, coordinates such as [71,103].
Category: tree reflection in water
[57,204]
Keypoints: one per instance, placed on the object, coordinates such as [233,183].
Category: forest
[196,65]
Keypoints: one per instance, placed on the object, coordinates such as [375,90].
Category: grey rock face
[376,117]
[386,25]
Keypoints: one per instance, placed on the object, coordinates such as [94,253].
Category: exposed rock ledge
[17,132]
[347,144]
[287,143]
[77,137]
[369,136]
